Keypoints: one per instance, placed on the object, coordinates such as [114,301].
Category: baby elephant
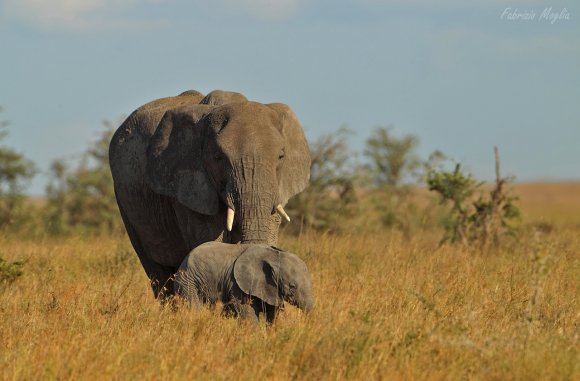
[249,279]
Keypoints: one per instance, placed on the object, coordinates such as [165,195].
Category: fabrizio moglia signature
[548,14]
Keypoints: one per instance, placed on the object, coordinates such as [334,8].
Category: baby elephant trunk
[307,305]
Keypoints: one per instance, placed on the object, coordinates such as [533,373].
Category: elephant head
[248,156]
[220,97]
[274,276]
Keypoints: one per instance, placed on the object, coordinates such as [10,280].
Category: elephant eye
[217,157]
[292,285]
[281,154]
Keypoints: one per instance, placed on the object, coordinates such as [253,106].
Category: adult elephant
[191,169]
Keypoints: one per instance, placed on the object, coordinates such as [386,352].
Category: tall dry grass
[387,308]
[551,203]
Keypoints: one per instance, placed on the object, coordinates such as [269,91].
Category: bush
[15,171]
[330,196]
[9,271]
[393,161]
[484,220]
[83,198]
[392,158]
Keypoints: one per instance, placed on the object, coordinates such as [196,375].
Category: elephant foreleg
[271,313]
[186,288]
[161,278]
[250,313]
[240,310]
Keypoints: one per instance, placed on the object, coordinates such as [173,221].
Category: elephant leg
[184,286]
[229,310]
[250,312]
[268,311]
[161,277]
[235,309]
[271,313]
[244,311]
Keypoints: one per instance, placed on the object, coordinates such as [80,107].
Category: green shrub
[484,220]
[82,198]
[330,197]
[15,171]
[9,271]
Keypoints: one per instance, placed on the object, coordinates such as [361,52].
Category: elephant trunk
[252,195]
[308,305]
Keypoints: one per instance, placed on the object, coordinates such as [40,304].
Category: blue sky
[455,73]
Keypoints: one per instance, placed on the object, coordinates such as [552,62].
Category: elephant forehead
[247,112]
[243,107]
[251,138]
[190,113]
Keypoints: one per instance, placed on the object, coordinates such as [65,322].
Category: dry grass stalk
[388,308]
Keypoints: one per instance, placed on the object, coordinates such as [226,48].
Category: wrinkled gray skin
[249,279]
[179,162]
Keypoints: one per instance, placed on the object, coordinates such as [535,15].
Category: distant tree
[484,220]
[83,198]
[15,171]
[392,158]
[330,196]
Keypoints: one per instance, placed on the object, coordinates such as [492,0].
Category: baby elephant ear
[257,272]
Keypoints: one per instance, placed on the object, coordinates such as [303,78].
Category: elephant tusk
[282,212]
[230,219]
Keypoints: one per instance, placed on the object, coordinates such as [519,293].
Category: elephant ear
[295,168]
[174,162]
[220,97]
[257,271]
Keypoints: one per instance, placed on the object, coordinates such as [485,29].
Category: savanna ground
[388,307]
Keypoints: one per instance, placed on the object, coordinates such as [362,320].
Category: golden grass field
[387,308]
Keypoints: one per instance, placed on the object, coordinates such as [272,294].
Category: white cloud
[65,14]
[107,14]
